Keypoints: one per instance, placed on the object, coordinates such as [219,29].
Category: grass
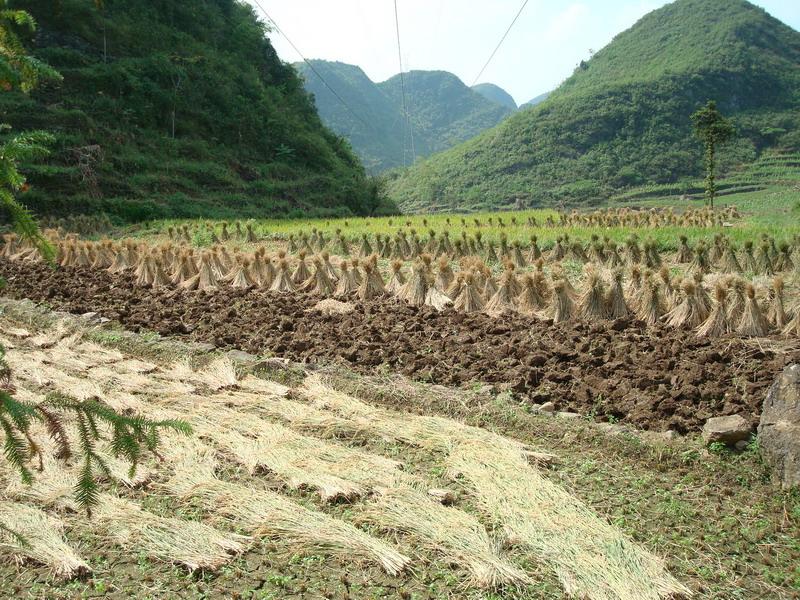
[772,207]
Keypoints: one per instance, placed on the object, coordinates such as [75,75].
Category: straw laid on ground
[456,535]
[591,558]
[266,513]
[39,537]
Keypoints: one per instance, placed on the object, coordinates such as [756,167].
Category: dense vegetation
[496,94]
[442,111]
[178,108]
[622,119]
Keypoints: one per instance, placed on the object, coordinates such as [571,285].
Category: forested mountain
[538,100]
[622,118]
[442,111]
[496,94]
[176,108]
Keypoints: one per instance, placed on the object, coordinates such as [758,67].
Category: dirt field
[653,378]
[227,494]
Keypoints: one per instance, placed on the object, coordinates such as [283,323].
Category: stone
[728,430]
[568,415]
[238,356]
[547,407]
[535,408]
[669,435]
[741,445]
[779,429]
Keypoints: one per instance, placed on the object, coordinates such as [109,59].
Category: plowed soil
[652,378]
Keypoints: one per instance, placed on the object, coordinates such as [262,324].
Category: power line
[403,89]
[519,12]
[311,66]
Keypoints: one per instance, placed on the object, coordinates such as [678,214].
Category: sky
[548,40]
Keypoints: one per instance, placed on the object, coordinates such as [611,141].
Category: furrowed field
[499,405]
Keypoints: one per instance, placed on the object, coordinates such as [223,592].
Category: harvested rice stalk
[416,289]
[748,259]
[516,254]
[592,304]
[669,293]
[651,306]
[688,312]
[729,263]
[717,323]
[591,558]
[329,268]
[456,535]
[283,281]
[445,274]
[752,323]
[265,513]
[502,301]
[356,263]
[685,254]
[615,302]
[776,313]
[347,283]
[557,253]
[468,299]
[240,274]
[534,253]
[563,308]
[764,261]
[793,327]
[319,282]
[29,533]
[206,278]
[784,261]
[530,301]
[397,279]
[372,287]
[301,272]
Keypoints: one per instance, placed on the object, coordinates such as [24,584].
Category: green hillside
[622,119]
[442,111]
[177,108]
[496,94]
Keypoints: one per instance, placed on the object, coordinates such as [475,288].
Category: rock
[669,435]
[547,407]
[568,415]
[239,356]
[779,429]
[535,408]
[92,317]
[203,347]
[741,445]
[727,430]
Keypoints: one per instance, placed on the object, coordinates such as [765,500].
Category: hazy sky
[543,48]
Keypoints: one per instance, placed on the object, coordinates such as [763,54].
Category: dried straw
[717,323]
[753,323]
[42,540]
[468,299]
[592,303]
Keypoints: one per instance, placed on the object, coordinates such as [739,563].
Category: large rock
[779,429]
[727,430]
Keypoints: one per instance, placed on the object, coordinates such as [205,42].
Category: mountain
[538,100]
[442,111]
[496,94]
[178,108]
[622,118]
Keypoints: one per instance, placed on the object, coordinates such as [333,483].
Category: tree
[131,435]
[712,129]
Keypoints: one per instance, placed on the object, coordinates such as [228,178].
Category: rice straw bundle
[717,323]
[397,280]
[763,260]
[748,260]
[502,301]
[534,253]
[415,290]
[301,272]
[729,263]
[365,249]
[784,261]
[183,271]
[467,299]
[684,251]
[776,313]
[557,253]
[752,322]
[456,535]
[40,539]
[489,284]
[491,255]
[651,306]
[445,274]
[120,263]
[239,277]
[319,282]
[669,293]
[329,268]
[701,261]
[282,282]
[347,284]
[206,278]
[592,303]
[530,301]
[563,308]
[687,312]
[516,254]
[793,327]
[356,263]
[615,302]
[372,287]
[266,513]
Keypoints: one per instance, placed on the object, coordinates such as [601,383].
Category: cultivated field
[490,407]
